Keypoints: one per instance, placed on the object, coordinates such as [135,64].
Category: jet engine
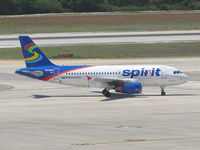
[130,88]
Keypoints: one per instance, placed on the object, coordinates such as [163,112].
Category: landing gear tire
[106,93]
[162,91]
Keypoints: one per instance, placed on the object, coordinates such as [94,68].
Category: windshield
[177,72]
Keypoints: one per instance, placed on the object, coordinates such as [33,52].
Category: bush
[53,6]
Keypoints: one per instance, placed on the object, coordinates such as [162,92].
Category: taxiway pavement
[40,115]
[99,38]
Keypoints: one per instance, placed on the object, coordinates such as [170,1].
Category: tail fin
[33,56]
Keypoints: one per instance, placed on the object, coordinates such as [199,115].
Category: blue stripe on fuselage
[46,71]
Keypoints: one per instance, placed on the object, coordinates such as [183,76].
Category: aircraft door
[164,73]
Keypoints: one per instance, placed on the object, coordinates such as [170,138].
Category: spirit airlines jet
[122,78]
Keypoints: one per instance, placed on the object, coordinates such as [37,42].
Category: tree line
[54,6]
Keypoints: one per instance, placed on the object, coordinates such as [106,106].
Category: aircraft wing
[115,81]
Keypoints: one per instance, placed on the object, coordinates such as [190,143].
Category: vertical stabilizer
[33,56]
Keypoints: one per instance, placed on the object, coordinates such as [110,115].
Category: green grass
[136,22]
[100,27]
[114,51]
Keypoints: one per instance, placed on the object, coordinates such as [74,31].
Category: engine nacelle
[130,88]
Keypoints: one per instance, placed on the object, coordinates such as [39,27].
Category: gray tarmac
[102,38]
[40,115]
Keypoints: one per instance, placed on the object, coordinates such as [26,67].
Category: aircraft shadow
[114,96]
[49,96]
[117,96]
[168,95]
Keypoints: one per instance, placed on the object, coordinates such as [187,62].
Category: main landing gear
[106,93]
[162,91]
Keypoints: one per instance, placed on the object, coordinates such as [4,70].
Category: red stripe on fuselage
[26,47]
[49,77]
[121,89]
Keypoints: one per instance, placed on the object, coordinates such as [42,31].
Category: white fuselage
[127,79]
[148,75]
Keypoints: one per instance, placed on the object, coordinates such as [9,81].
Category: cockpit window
[177,72]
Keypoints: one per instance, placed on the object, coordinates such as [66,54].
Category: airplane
[128,79]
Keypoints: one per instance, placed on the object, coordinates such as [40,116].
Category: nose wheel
[106,93]
[162,91]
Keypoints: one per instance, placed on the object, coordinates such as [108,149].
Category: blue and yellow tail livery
[38,65]
[33,56]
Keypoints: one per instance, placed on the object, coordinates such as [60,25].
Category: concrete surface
[44,116]
[99,38]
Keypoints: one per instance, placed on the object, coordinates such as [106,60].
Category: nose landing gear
[162,91]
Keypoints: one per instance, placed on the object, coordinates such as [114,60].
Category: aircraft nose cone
[184,78]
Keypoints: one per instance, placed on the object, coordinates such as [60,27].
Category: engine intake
[130,88]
